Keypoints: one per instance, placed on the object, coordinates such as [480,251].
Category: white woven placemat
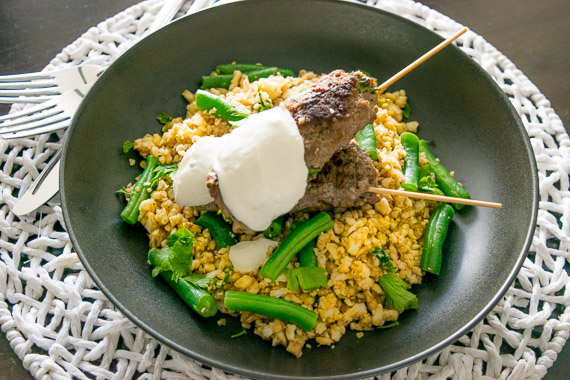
[61,326]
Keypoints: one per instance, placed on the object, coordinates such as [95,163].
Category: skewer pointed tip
[420,60]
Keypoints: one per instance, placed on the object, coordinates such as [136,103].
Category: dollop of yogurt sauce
[190,180]
[260,167]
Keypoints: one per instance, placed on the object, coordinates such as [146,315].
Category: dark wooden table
[535,35]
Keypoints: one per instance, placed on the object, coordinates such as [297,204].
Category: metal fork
[68,107]
[61,91]
[42,86]
[45,117]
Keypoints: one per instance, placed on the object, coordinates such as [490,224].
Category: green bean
[207,101]
[272,308]
[445,181]
[286,72]
[256,75]
[309,278]
[131,212]
[217,81]
[435,235]
[229,68]
[307,256]
[297,239]
[224,80]
[410,142]
[197,298]
[366,139]
[274,228]
[220,230]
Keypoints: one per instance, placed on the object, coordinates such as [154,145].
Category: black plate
[460,109]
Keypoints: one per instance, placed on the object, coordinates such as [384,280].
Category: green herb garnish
[397,295]
[128,146]
[313,173]
[242,332]
[427,182]
[164,118]
[389,325]
[406,111]
[222,283]
[177,257]
[264,104]
[200,280]
[384,259]
[160,172]
[123,190]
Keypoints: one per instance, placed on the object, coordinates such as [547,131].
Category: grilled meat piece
[342,182]
[214,188]
[330,113]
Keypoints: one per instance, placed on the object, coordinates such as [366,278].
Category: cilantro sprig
[177,257]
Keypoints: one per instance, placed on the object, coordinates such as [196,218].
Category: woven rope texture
[61,326]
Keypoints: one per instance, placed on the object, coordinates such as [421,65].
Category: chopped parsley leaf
[160,172]
[406,111]
[123,190]
[128,146]
[164,118]
[384,259]
[264,104]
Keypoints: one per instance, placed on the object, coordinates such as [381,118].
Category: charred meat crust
[342,182]
[330,113]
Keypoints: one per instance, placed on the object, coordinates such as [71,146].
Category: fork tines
[41,86]
[45,117]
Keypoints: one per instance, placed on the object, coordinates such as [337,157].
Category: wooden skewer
[417,195]
[419,61]
[433,197]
